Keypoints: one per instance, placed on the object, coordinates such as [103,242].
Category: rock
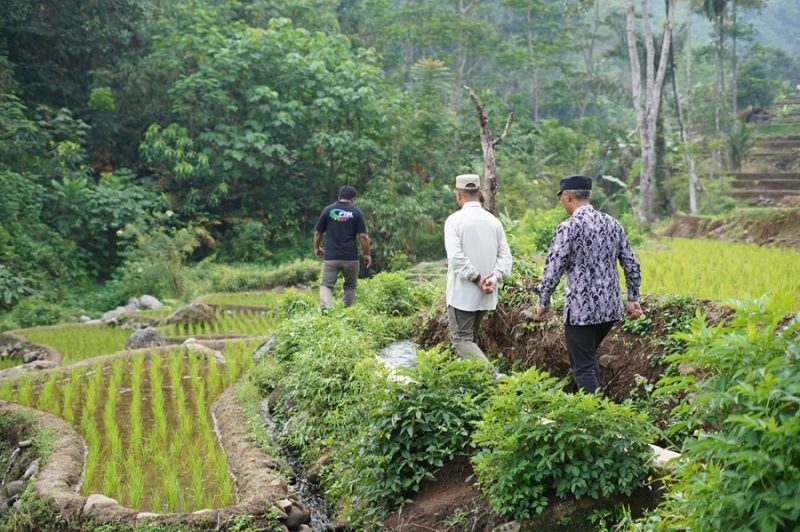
[341,525]
[219,358]
[32,470]
[314,471]
[293,421]
[24,444]
[133,304]
[192,313]
[295,517]
[283,528]
[278,486]
[95,500]
[146,516]
[511,526]
[443,319]
[190,340]
[143,338]
[206,513]
[149,302]
[30,356]
[273,398]
[304,528]
[264,348]
[13,489]
[284,505]
[607,361]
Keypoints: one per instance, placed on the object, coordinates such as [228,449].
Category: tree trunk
[733,60]
[488,142]
[647,114]
[694,182]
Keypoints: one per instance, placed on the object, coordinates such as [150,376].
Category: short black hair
[347,192]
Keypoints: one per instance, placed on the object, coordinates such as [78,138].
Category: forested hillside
[139,137]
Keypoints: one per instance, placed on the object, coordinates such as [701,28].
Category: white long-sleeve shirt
[476,245]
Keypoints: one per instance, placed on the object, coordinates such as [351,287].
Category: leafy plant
[738,471]
[416,426]
[535,442]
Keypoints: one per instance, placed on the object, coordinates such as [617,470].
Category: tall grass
[718,270]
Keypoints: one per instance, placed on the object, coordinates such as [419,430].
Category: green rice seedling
[6,390]
[135,475]
[47,400]
[213,378]
[172,490]
[25,392]
[155,501]
[6,363]
[70,390]
[196,465]
[111,477]
[92,437]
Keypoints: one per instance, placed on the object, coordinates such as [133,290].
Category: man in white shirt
[478,257]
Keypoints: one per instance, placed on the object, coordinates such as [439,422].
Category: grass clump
[77,342]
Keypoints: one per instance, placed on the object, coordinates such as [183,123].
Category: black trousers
[582,343]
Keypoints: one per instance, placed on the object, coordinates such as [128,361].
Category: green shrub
[248,277]
[246,242]
[412,429]
[741,471]
[592,447]
[35,310]
[388,293]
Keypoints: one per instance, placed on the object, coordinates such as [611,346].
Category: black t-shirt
[342,221]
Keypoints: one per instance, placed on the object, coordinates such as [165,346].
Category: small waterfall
[402,354]
[307,494]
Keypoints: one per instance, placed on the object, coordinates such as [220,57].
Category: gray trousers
[464,326]
[330,271]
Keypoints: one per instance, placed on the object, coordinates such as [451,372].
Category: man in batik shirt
[587,247]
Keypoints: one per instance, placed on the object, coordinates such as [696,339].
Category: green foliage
[246,242]
[589,447]
[239,278]
[388,293]
[414,428]
[738,472]
[740,142]
[534,232]
[37,311]
[155,263]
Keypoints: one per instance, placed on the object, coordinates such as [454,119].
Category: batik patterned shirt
[587,247]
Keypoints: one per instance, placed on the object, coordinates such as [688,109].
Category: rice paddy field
[6,363]
[719,270]
[79,341]
[249,322]
[147,424]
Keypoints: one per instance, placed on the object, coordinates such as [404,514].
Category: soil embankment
[768,226]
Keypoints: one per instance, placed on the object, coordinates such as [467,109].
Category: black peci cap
[574,182]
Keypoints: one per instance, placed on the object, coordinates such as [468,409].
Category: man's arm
[502,267]
[317,239]
[633,275]
[456,260]
[555,265]
[364,239]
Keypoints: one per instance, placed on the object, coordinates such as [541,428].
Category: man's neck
[578,206]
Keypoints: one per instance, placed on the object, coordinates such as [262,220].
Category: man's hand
[541,314]
[367,260]
[634,309]
[318,252]
[488,284]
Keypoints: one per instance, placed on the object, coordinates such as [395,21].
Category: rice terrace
[323,266]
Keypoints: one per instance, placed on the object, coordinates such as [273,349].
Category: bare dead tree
[647,105]
[488,142]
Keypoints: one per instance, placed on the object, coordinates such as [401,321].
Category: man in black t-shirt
[343,223]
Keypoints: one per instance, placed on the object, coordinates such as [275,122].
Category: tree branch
[497,141]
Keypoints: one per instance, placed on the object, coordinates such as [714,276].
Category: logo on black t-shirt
[341,215]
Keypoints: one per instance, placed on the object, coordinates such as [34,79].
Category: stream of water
[402,354]
[10,465]
[307,493]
